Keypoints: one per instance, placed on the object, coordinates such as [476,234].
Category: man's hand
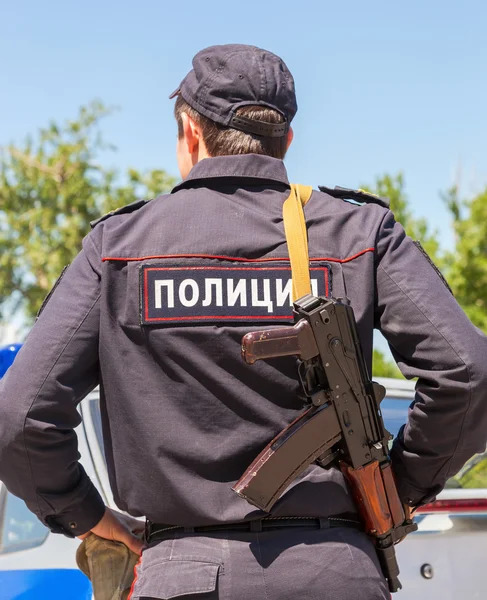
[408,513]
[119,528]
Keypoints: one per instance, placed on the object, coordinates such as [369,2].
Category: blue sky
[382,86]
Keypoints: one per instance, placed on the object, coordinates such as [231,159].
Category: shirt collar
[242,166]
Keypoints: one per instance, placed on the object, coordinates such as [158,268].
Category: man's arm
[431,339]
[54,370]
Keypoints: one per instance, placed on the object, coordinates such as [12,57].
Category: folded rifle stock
[341,426]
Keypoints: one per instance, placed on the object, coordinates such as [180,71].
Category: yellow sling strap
[296,237]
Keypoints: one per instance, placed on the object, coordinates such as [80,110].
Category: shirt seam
[263,570]
[37,395]
[449,461]
[89,238]
[234,258]
[377,259]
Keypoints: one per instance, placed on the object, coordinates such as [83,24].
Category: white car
[443,560]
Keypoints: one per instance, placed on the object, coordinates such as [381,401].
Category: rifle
[342,424]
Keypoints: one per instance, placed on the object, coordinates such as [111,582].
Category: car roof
[397,388]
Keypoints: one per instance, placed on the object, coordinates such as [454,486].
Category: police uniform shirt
[153,310]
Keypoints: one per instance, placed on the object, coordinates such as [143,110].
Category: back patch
[203,294]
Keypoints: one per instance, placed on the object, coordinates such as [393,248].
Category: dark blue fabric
[183,415]
[309,564]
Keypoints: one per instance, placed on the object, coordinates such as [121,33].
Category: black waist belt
[160,531]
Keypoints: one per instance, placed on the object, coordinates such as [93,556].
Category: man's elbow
[474,428]
[12,447]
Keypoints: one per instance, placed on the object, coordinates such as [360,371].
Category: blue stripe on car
[44,584]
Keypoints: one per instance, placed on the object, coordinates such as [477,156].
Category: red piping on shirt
[217,317]
[232,258]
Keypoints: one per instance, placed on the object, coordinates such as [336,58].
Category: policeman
[153,310]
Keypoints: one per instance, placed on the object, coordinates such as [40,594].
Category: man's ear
[290,137]
[191,132]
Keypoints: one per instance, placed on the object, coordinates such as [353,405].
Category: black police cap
[225,78]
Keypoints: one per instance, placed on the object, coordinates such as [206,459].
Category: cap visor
[175,93]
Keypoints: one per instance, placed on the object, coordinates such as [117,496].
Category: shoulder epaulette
[357,195]
[128,208]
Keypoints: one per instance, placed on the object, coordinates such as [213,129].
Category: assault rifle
[341,426]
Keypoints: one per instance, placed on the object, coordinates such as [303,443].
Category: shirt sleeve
[432,339]
[55,368]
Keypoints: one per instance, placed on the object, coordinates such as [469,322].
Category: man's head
[236,100]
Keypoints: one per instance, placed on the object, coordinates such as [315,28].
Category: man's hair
[222,141]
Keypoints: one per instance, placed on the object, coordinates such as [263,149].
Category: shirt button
[73,525]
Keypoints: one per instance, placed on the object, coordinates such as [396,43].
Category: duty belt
[160,531]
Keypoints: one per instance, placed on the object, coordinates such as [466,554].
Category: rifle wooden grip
[282,341]
[370,497]
[270,343]
[395,504]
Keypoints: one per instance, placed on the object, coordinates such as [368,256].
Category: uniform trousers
[281,564]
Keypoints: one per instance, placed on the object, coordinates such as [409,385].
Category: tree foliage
[50,190]
[383,367]
[467,263]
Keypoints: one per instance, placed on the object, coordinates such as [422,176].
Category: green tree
[466,266]
[50,190]
[382,367]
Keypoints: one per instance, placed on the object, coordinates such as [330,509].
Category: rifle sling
[296,237]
